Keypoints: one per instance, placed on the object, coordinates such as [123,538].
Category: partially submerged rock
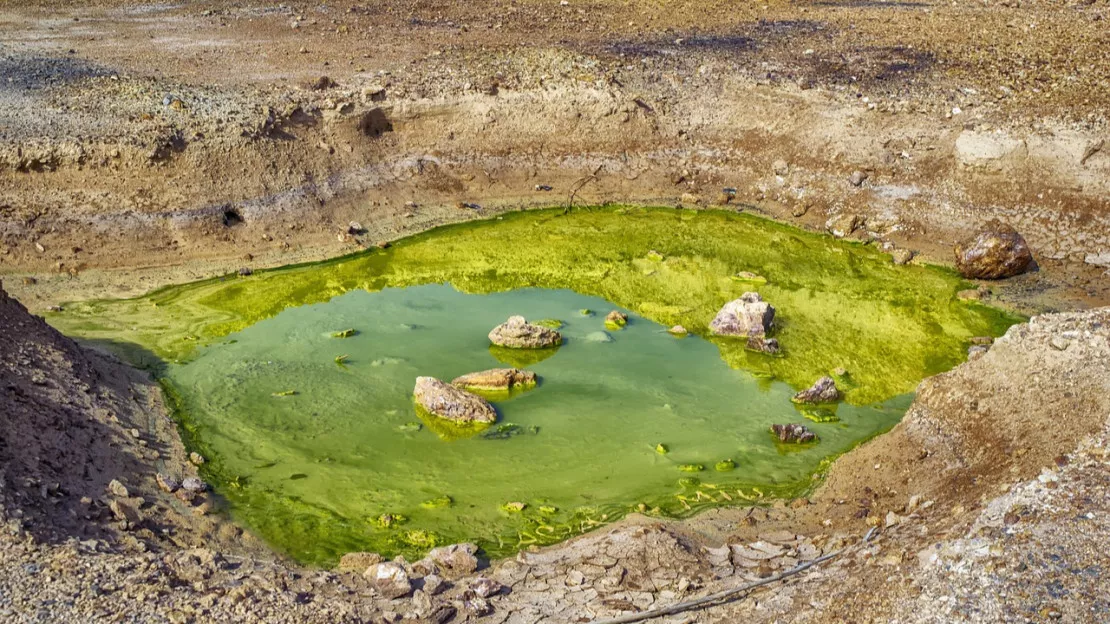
[517,333]
[747,316]
[448,402]
[677,330]
[769,346]
[997,252]
[496,379]
[822,391]
[390,579]
[616,319]
[793,434]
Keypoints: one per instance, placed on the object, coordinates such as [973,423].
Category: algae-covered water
[321,457]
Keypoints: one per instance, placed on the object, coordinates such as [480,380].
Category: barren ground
[142,145]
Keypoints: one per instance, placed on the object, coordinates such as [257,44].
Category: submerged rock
[517,333]
[496,379]
[390,579]
[823,391]
[677,330]
[995,253]
[748,316]
[451,403]
[598,336]
[793,434]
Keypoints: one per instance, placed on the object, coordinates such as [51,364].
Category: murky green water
[314,472]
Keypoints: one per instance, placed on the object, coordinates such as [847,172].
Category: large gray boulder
[451,403]
[517,333]
[747,316]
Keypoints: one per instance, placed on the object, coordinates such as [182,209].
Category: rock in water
[455,560]
[995,253]
[496,379]
[823,391]
[517,333]
[390,579]
[451,403]
[747,316]
[616,320]
[794,434]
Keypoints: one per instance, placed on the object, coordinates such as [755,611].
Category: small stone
[167,483]
[799,210]
[970,294]
[780,167]
[747,316]
[125,513]
[475,604]
[1059,343]
[843,225]
[246,272]
[196,458]
[118,489]
[193,484]
[486,587]
[434,584]
[901,256]
[857,178]
[677,330]
[517,333]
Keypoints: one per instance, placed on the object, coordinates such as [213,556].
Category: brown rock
[451,403]
[455,560]
[358,562]
[997,252]
[796,434]
[496,379]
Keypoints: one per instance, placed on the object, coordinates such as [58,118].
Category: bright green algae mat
[839,305]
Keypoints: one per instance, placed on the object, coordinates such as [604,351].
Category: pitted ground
[989,499]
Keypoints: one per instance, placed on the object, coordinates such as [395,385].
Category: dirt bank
[131,155]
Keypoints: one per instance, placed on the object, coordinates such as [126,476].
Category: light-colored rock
[517,333]
[193,484]
[125,513]
[496,379]
[451,403]
[486,587]
[390,579]
[167,483]
[358,562]
[901,256]
[991,151]
[115,488]
[747,316]
[843,224]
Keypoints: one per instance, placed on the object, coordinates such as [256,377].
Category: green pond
[314,441]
